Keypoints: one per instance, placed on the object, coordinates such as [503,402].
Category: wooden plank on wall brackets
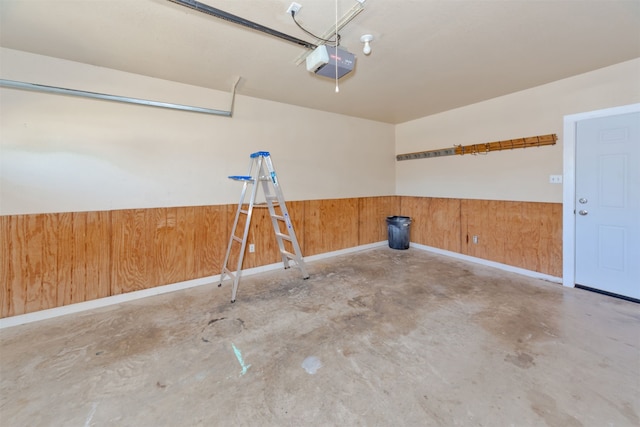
[511,144]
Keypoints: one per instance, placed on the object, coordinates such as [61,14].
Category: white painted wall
[519,175]
[65,154]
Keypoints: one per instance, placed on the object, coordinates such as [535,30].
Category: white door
[608,204]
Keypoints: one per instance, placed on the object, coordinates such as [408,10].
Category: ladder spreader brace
[261,171]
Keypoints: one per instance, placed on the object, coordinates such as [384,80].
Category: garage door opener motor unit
[330,61]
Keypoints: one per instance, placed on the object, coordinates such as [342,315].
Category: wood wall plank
[158,251]
[64,258]
[129,257]
[483,218]
[202,261]
[417,209]
[443,224]
[551,240]
[32,261]
[186,225]
[6,266]
[522,234]
[50,262]
[79,269]
[372,215]
[98,255]
[434,221]
[535,238]
[330,225]
[16,292]
[166,253]
[211,238]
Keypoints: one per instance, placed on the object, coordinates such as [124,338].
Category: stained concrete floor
[380,337]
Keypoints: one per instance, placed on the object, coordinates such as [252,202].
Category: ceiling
[428,56]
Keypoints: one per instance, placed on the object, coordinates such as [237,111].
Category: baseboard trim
[498,265]
[36,316]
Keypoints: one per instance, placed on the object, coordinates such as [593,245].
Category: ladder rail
[279,196]
[234,238]
[243,245]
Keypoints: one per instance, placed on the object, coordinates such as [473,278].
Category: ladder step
[237,239]
[284,236]
[289,255]
[270,198]
[259,154]
[242,211]
[278,217]
[241,177]
[228,272]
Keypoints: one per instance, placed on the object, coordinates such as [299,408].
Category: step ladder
[261,172]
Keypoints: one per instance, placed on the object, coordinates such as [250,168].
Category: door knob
[583,212]
[583,200]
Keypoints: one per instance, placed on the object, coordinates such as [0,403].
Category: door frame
[569,186]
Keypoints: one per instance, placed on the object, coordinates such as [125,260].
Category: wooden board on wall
[27,267]
[98,255]
[434,221]
[63,233]
[129,252]
[550,243]
[372,215]
[32,262]
[19,272]
[82,241]
[154,247]
[522,234]
[79,256]
[483,218]
[170,246]
[6,273]
[49,259]
[330,225]
[210,231]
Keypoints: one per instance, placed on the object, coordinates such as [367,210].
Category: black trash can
[398,228]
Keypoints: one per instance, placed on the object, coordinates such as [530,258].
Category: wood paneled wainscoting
[527,235]
[56,259]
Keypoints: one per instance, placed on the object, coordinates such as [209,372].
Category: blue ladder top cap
[241,177]
[260,153]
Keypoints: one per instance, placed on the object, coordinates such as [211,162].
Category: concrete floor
[375,338]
